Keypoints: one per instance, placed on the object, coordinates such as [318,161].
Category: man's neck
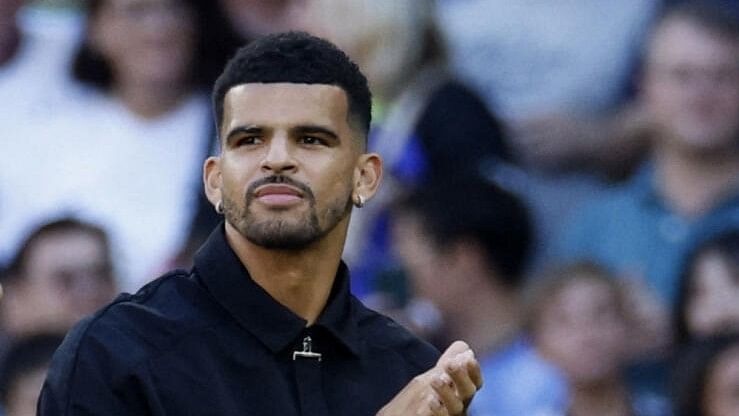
[694,183]
[300,280]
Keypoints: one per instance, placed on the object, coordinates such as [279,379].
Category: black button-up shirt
[213,342]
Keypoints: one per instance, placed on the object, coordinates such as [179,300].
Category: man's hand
[445,390]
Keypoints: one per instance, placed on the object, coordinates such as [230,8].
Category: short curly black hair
[300,58]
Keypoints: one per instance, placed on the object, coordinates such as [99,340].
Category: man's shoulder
[112,349]
[136,326]
[383,333]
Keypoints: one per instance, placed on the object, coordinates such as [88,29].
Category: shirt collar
[272,323]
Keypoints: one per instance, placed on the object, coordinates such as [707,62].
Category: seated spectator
[691,91]
[62,272]
[464,245]
[579,319]
[128,153]
[428,124]
[706,378]
[708,295]
[23,371]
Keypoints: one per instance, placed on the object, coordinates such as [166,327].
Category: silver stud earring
[359,202]
[219,207]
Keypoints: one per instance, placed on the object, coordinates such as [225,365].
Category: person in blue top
[690,91]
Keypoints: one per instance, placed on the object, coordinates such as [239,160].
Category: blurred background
[561,189]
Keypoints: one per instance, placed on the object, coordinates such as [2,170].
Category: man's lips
[278,194]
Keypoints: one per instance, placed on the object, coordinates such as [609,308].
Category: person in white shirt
[126,151]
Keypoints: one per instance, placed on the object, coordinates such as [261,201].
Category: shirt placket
[308,366]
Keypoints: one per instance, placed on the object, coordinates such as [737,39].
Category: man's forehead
[274,101]
[286,89]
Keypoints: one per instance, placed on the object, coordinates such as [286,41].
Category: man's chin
[280,235]
[281,242]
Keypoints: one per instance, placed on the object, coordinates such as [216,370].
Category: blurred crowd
[561,182]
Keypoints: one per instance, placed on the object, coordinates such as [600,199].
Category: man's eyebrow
[242,130]
[316,129]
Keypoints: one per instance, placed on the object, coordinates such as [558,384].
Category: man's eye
[311,140]
[249,140]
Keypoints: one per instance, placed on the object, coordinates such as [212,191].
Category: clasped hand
[445,390]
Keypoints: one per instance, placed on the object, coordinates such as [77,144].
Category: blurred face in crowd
[721,397]
[66,276]
[691,86]
[582,330]
[712,307]
[149,42]
[24,393]
[434,274]
[290,161]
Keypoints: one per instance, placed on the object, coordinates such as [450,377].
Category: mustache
[278,179]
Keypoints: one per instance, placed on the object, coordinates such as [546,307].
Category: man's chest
[225,382]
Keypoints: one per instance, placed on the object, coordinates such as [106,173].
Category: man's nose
[279,156]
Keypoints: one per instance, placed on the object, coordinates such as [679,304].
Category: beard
[283,233]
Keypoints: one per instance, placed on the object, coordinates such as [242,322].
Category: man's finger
[434,407]
[475,373]
[458,370]
[445,388]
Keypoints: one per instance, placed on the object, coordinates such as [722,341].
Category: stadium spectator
[464,245]
[691,90]
[127,153]
[62,272]
[580,321]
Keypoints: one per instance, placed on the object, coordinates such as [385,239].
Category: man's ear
[367,177]
[212,179]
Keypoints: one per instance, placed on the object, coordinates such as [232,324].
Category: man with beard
[264,323]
